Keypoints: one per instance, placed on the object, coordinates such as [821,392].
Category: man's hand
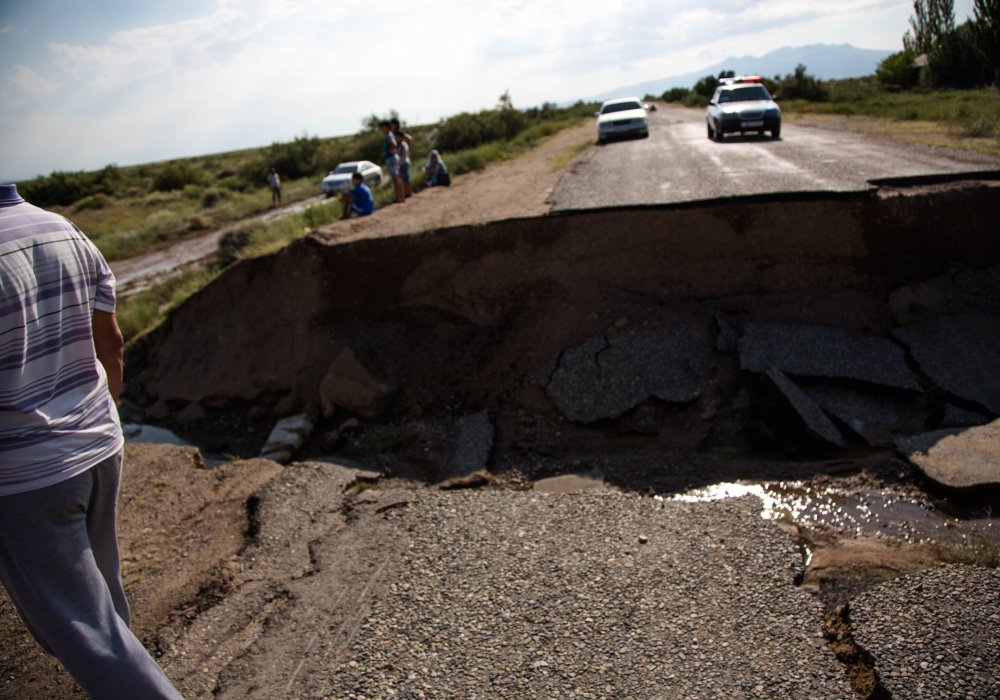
[108,343]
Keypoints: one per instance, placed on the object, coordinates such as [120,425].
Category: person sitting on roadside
[358,199]
[437,171]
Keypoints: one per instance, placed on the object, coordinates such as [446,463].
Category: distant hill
[825,61]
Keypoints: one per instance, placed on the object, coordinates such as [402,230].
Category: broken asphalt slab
[877,417]
[967,292]
[812,417]
[824,351]
[959,458]
[961,354]
[608,375]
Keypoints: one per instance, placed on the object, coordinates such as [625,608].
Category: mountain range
[824,61]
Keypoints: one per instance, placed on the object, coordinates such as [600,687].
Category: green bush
[94,201]
[676,94]
[64,188]
[232,243]
[212,196]
[695,99]
[175,176]
[799,85]
[898,71]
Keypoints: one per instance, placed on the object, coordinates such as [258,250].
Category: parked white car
[624,116]
[339,178]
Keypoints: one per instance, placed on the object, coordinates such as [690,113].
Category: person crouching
[358,199]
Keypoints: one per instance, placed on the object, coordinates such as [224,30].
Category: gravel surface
[934,634]
[588,595]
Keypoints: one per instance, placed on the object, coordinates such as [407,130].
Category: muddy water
[862,514]
[840,511]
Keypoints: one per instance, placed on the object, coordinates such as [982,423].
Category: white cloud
[141,53]
[21,83]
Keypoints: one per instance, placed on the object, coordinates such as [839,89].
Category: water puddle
[855,513]
[138,432]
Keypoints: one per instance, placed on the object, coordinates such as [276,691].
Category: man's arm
[108,343]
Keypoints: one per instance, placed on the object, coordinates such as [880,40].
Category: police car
[742,105]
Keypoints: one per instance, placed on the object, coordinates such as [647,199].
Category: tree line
[936,54]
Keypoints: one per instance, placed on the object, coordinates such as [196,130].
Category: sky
[86,84]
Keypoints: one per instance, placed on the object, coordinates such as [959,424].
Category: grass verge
[967,119]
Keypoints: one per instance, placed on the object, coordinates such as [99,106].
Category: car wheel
[776,132]
[718,133]
[708,128]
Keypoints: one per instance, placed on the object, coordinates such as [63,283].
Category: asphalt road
[678,162]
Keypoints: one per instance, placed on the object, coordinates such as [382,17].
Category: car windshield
[346,168]
[620,107]
[742,94]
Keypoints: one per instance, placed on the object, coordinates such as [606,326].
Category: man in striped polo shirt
[61,452]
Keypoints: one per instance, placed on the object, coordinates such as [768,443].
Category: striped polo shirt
[57,417]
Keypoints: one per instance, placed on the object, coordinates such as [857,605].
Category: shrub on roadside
[676,94]
[175,176]
[94,201]
[898,71]
[799,85]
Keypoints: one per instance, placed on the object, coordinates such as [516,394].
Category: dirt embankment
[477,318]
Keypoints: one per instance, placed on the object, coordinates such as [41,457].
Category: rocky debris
[470,444]
[814,420]
[824,351]
[608,375]
[955,457]
[877,417]
[958,417]
[933,634]
[474,480]
[287,438]
[727,339]
[961,354]
[352,385]
[968,292]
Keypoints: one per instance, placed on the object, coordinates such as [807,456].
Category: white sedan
[624,116]
[339,178]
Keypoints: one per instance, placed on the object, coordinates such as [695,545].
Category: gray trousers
[59,564]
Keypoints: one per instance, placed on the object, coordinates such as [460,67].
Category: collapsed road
[810,338]
[774,337]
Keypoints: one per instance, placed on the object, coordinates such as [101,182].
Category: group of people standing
[396,154]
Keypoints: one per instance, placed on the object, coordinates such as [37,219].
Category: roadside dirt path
[510,189]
